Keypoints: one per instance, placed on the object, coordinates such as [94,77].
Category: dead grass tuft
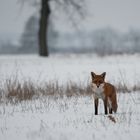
[16,91]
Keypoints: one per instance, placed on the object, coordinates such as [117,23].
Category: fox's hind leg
[110,106]
[105,106]
[110,110]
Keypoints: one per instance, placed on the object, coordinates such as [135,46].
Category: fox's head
[98,80]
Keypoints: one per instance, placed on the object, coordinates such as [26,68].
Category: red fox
[105,91]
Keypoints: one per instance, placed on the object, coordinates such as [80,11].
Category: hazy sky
[120,14]
[13,17]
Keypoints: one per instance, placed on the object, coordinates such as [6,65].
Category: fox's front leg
[96,106]
[105,106]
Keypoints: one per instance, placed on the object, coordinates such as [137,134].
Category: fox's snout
[98,85]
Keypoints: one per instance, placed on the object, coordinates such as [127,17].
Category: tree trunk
[43,28]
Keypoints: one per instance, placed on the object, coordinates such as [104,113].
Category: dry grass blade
[15,91]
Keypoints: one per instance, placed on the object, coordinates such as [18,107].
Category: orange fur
[105,91]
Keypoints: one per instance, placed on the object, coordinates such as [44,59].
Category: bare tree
[76,6]
[43,27]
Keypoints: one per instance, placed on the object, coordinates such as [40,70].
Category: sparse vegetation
[16,91]
[51,99]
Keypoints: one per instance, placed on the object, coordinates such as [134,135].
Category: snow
[66,67]
[70,118]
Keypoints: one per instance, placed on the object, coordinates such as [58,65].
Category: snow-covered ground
[77,68]
[70,118]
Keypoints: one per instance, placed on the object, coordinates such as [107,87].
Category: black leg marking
[96,106]
[110,110]
[105,106]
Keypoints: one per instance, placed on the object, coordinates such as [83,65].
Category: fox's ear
[93,74]
[103,74]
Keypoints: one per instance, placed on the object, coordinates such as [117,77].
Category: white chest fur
[98,92]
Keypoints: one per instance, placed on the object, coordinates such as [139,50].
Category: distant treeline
[103,41]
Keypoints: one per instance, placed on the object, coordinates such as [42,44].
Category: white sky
[13,17]
[120,14]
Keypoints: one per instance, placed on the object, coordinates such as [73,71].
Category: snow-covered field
[66,118]
[70,67]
